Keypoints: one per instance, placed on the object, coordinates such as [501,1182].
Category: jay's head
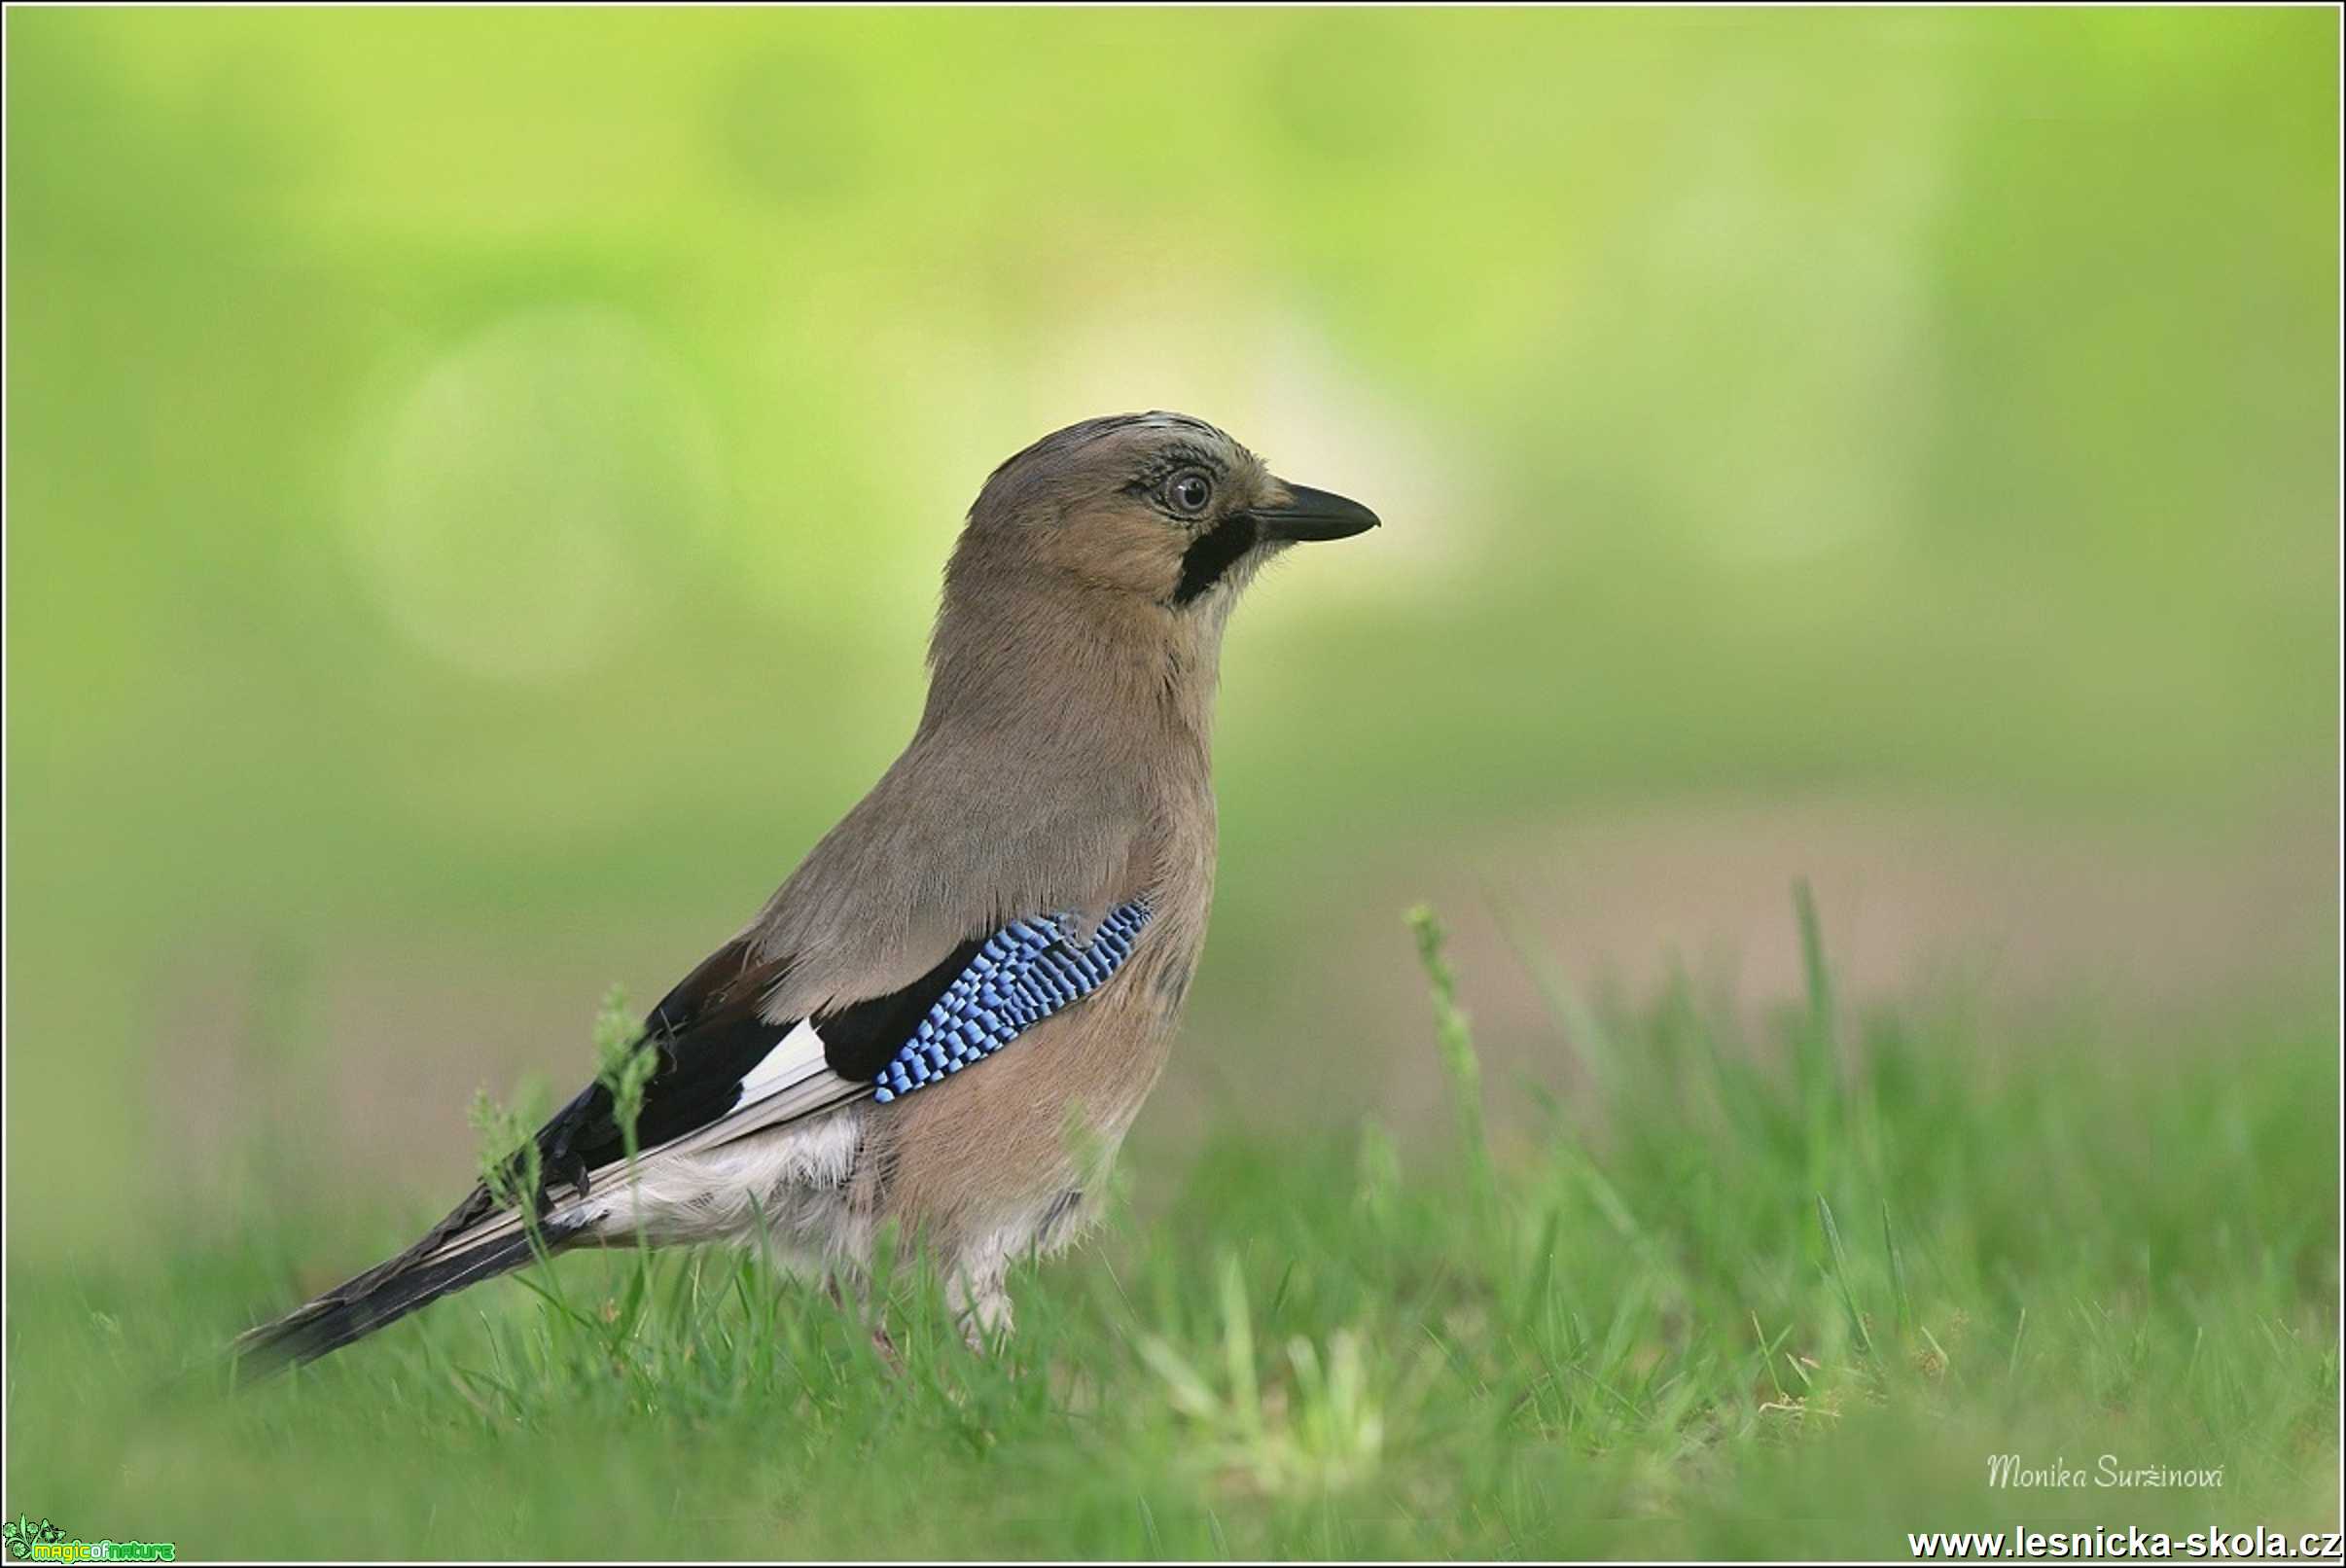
[1154,509]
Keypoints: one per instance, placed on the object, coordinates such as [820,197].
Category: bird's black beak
[1309,514]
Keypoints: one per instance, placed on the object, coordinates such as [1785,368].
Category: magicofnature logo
[29,1541]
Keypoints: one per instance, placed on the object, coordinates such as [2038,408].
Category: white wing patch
[794,1056]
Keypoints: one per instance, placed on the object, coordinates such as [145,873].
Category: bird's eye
[1190,492]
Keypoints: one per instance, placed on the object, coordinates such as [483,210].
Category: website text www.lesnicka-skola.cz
[2212,1544]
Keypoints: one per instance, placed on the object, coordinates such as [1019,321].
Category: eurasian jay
[950,1014]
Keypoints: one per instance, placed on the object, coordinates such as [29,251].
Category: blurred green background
[477,482]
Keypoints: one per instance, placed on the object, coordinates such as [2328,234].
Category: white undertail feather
[787,1184]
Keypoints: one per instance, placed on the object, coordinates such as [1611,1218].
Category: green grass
[1747,1295]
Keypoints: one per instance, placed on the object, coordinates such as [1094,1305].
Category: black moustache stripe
[1212,552]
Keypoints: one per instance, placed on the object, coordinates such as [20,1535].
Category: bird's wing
[724,1068]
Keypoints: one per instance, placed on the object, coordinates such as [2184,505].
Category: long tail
[383,1294]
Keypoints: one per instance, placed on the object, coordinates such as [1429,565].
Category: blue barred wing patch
[1024,974]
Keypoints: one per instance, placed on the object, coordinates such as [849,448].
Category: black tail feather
[383,1295]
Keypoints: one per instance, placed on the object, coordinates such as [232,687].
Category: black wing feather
[858,1038]
[708,1034]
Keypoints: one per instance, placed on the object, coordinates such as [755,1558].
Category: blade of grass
[1897,1271]
[1819,1053]
[1839,1264]
[1457,1040]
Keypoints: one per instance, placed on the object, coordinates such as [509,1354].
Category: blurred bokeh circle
[504,513]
